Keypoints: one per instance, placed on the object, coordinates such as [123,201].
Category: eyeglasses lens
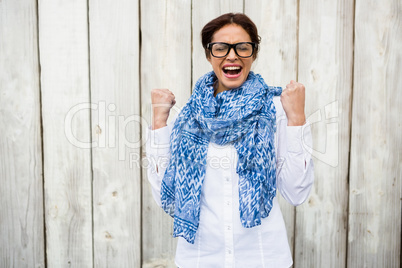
[242,49]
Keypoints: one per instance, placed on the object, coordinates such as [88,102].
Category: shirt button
[228,227]
[229,251]
[227,178]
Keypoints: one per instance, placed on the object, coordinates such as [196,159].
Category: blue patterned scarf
[244,117]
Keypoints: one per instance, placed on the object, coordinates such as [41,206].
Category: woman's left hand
[293,98]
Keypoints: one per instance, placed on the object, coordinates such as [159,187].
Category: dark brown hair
[229,18]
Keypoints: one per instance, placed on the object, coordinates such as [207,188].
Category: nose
[232,54]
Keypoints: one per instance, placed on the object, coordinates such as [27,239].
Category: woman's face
[229,79]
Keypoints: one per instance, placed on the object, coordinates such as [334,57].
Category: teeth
[232,68]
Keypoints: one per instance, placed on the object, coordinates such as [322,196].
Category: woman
[232,146]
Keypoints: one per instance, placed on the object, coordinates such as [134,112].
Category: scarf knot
[244,117]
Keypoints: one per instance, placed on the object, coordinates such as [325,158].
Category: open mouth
[232,70]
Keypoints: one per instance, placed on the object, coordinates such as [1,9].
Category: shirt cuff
[158,141]
[295,136]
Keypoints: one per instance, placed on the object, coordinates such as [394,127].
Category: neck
[218,88]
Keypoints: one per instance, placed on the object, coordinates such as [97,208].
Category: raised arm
[295,172]
[158,139]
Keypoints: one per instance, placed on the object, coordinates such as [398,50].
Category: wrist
[297,120]
[159,123]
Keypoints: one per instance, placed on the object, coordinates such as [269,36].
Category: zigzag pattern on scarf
[244,117]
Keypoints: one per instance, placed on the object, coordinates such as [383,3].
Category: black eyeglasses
[243,49]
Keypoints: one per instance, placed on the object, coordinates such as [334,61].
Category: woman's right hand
[162,101]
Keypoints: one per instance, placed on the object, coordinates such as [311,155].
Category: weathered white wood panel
[325,67]
[21,207]
[172,57]
[165,63]
[202,13]
[114,65]
[376,153]
[63,36]
[277,60]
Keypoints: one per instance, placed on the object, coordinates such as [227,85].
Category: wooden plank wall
[63,48]
[116,127]
[21,197]
[75,86]
[376,151]
[325,65]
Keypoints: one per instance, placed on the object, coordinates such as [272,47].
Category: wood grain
[114,55]
[21,195]
[277,60]
[376,166]
[325,67]
[63,42]
[118,54]
[165,63]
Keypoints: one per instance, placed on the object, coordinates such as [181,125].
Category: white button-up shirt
[221,240]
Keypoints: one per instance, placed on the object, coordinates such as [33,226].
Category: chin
[231,84]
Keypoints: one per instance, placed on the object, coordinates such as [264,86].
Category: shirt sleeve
[158,155]
[295,169]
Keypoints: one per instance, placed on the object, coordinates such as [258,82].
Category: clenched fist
[293,98]
[162,101]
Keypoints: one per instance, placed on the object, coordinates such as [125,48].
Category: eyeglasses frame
[253,45]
